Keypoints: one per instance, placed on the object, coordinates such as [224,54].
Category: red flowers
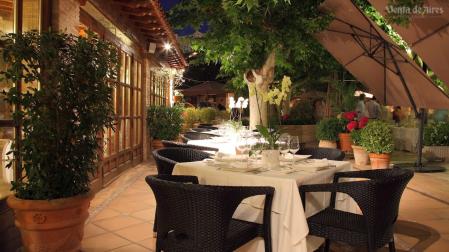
[350,116]
[284,117]
[362,122]
[352,125]
[354,122]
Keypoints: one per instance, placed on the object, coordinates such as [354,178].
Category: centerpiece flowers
[271,133]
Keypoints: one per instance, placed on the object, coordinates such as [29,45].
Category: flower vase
[270,159]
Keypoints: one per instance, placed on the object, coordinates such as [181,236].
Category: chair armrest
[350,188]
[178,178]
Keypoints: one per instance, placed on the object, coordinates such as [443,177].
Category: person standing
[373,108]
[360,107]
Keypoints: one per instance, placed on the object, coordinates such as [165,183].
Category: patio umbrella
[427,35]
[371,56]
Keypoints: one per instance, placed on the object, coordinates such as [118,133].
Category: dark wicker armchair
[198,218]
[167,158]
[378,198]
[195,136]
[207,126]
[200,129]
[169,144]
[320,153]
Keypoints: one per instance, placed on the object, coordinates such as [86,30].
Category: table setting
[269,159]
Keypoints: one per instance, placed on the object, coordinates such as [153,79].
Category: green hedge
[436,134]
[164,123]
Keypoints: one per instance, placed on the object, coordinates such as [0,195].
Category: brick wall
[66,15]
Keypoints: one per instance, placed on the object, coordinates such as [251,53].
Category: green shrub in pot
[190,116]
[164,123]
[207,115]
[436,134]
[377,137]
[328,129]
[356,136]
[61,122]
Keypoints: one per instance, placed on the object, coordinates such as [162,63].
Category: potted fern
[377,139]
[327,131]
[61,124]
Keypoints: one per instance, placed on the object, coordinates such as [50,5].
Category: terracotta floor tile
[130,207]
[149,243]
[104,242]
[137,232]
[146,214]
[106,213]
[91,230]
[118,222]
[131,248]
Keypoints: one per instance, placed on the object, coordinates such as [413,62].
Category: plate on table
[293,158]
[240,167]
[231,158]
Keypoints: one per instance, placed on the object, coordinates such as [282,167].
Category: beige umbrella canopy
[372,57]
[427,35]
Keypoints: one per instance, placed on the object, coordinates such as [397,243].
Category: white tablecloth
[289,226]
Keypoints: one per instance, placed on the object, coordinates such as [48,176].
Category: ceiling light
[167,46]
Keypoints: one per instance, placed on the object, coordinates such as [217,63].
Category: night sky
[167,5]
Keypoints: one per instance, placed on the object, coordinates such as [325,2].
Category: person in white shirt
[373,108]
[360,108]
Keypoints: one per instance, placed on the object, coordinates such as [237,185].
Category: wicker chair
[169,144]
[198,218]
[378,198]
[209,127]
[320,153]
[167,158]
[200,130]
[195,136]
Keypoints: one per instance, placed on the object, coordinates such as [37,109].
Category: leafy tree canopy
[242,33]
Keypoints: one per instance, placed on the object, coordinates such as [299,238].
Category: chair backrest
[320,153]
[197,136]
[200,129]
[209,127]
[167,158]
[196,217]
[169,144]
[380,200]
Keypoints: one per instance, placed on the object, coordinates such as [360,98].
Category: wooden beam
[134,4]
[139,12]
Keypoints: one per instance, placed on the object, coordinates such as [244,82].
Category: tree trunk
[259,81]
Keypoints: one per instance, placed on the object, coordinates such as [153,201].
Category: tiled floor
[122,215]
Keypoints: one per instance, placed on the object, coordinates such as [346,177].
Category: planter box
[306,133]
[436,151]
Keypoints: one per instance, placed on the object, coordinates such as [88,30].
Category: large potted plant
[436,141]
[63,107]
[164,123]
[377,139]
[327,131]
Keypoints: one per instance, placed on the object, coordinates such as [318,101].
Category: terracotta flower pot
[156,144]
[360,155]
[379,161]
[327,144]
[51,225]
[345,142]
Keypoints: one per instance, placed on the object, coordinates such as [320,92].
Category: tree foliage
[242,33]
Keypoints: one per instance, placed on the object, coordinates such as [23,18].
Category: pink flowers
[354,122]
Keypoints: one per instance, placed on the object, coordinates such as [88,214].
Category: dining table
[289,230]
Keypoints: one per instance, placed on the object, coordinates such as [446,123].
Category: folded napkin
[221,157]
[312,165]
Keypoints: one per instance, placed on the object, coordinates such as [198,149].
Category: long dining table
[288,218]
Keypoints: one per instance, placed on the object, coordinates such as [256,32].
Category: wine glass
[294,144]
[284,146]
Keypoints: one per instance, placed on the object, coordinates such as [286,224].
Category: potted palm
[62,122]
[327,131]
[377,139]
[164,123]
[436,141]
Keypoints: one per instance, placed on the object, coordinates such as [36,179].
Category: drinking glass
[284,145]
[294,144]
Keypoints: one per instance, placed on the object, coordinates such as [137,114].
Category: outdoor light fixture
[167,46]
